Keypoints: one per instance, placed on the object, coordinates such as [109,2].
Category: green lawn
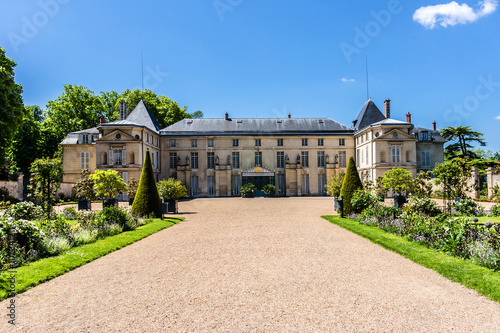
[483,219]
[34,273]
[485,281]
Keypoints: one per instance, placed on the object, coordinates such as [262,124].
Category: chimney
[227,116]
[434,125]
[387,108]
[102,119]
[289,115]
[123,110]
[408,117]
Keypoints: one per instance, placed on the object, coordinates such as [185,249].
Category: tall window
[236,160]
[210,186]
[342,159]
[304,142]
[366,154]
[210,160]
[117,156]
[320,142]
[84,160]
[425,159]
[210,143]
[194,160]
[321,159]
[305,184]
[236,142]
[321,184]
[305,159]
[280,159]
[194,143]
[172,143]
[194,186]
[235,185]
[257,142]
[280,142]
[396,154]
[258,158]
[173,160]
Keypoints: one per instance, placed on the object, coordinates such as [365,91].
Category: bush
[20,241]
[350,184]
[247,190]
[269,189]
[467,207]
[84,236]
[362,199]
[424,206]
[147,200]
[334,185]
[25,211]
[115,215]
[495,210]
[54,245]
[171,189]
[70,213]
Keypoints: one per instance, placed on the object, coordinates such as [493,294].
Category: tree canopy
[46,178]
[459,139]
[399,180]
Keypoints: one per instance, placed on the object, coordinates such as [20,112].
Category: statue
[228,160]
[298,158]
[336,158]
[217,159]
[286,158]
[327,158]
[187,160]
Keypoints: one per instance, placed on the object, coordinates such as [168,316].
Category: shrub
[171,189]
[54,245]
[362,200]
[247,190]
[495,210]
[350,184]
[84,236]
[269,189]
[25,211]
[483,254]
[334,185]
[424,206]
[115,215]
[70,213]
[147,199]
[467,207]
[20,241]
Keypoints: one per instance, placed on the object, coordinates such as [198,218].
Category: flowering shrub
[467,207]
[25,210]
[495,210]
[20,241]
[70,213]
[54,245]
[425,206]
[362,199]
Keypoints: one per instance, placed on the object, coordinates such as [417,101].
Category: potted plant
[132,190]
[269,190]
[84,190]
[107,184]
[247,190]
[171,191]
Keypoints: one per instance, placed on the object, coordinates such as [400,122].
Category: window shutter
[110,157]
[82,160]
[124,157]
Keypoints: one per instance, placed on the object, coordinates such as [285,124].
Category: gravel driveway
[258,265]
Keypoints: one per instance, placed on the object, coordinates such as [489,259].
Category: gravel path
[258,265]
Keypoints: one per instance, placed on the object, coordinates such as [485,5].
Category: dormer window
[85,139]
[424,136]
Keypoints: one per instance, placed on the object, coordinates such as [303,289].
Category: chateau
[215,157]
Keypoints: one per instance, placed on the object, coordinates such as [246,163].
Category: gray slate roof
[436,136]
[368,115]
[140,116]
[255,126]
[73,137]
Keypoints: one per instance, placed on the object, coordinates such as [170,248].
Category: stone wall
[15,187]
[493,179]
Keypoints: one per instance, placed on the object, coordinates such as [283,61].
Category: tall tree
[11,104]
[147,199]
[46,178]
[350,184]
[462,136]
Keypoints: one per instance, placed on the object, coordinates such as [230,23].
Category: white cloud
[452,13]
[497,117]
[344,79]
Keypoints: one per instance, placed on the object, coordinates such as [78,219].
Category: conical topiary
[147,200]
[351,183]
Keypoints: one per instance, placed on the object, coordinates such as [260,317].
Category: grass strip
[484,280]
[42,270]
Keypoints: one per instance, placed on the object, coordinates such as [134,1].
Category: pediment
[117,136]
[395,134]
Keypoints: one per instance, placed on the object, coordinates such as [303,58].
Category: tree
[132,187]
[464,135]
[453,176]
[334,185]
[147,200]
[171,189]
[46,178]
[351,183]
[108,183]
[11,104]
[398,180]
[422,185]
[85,186]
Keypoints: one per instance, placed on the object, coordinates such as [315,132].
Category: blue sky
[438,60]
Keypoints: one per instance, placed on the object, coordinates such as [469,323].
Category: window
[173,160]
[85,139]
[396,156]
[280,142]
[236,160]
[235,142]
[257,142]
[194,143]
[320,142]
[321,184]
[147,137]
[211,186]
[235,185]
[281,185]
[304,142]
[321,159]
[424,136]
[342,159]
[210,143]
[341,142]
[280,159]
[305,159]
[425,159]
[194,185]
[258,158]
[172,143]
[84,160]
[210,161]
[194,160]
[117,156]
[366,154]
[305,184]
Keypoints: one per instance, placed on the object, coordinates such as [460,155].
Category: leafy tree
[132,187]
[463,135]
[171,189]
[85,186]
[422,185]
[453,176]
[108,183]
[11,104]
[108,104]
[334,185]
[399,180]
[351,183]
[147,200]
[46,178]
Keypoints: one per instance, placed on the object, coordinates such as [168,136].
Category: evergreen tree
[351,183]
[147,199]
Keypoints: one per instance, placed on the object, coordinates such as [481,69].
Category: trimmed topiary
[351,183]
[147,200]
